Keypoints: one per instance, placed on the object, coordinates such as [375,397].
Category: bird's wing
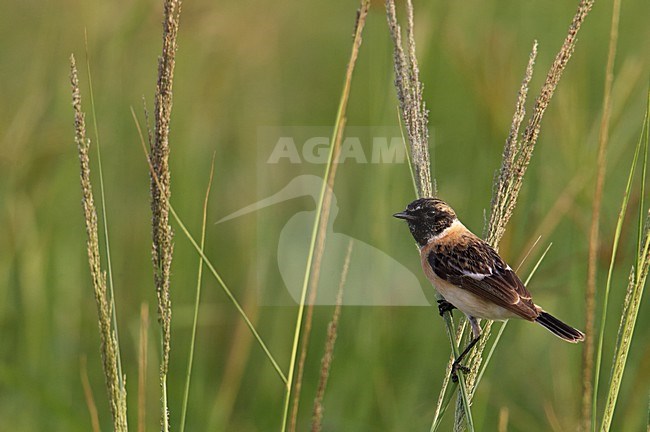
[474,265]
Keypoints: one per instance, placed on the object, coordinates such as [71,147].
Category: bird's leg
[445,306]
[456,366]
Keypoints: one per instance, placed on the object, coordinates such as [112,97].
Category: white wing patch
[477,276]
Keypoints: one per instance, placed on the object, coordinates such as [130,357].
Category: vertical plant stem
[318,231]
[88,394]
[160,190]
[635,289]
[410,97]
[415,117]
[506,184]
[209,265]
[143,362]
[590,293]
[108,342]
[517,153]
[322,229]
[102,196]
[617,237]
[314,278]
[197,301]
[326,362]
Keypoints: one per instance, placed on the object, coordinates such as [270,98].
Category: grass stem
[634,293]
[326,362]
[590,293]
[197,301]
[608,284]
[319,226]
[212,269]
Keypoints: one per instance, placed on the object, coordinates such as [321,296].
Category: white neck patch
[454,225]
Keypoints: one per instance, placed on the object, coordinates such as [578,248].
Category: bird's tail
[560,329]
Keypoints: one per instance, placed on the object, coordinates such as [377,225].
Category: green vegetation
[242,66]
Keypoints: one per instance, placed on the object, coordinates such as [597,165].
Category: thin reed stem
[143,362]
[88,394]
[594,242]
[197,301]
[415,117]
[312,267]
[108,343]
[326,362]
[410,96]
[518,152]
[508,183]
[642,259]
[162,233]
[211,267]
[102,196]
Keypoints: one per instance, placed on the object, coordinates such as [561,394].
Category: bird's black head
[427,217]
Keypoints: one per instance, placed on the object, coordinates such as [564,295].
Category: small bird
[470,274]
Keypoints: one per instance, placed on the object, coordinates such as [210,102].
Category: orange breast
[464,300]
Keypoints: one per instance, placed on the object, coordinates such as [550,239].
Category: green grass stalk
[644,171]
[160,186]
[197,301]
[102,196]
[318,225]
[408,153]
[608,284]
[327,200]
[415,117]
[326,361]
[590,293]
[108,342]
[88,394]
[143,362]
[518,152]
[212,269]
[634,293]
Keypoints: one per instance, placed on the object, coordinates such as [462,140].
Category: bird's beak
[404,215]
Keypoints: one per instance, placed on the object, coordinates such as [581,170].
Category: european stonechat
[470,274]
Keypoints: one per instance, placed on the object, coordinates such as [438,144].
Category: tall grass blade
[102,196]
[642,217]
[594,241]
[197,301]
[88,394]
[633,297]
[212,269]
[320,206]
[617,236]
[415,117]
[444,399]
[160,188]
[518,151]
[326,361]
[408,153]
[108,342]
[328,185]
[143,363]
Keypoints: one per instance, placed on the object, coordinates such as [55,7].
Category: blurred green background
[242,65]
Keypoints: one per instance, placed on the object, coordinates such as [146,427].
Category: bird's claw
[445,306]
[455,367]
